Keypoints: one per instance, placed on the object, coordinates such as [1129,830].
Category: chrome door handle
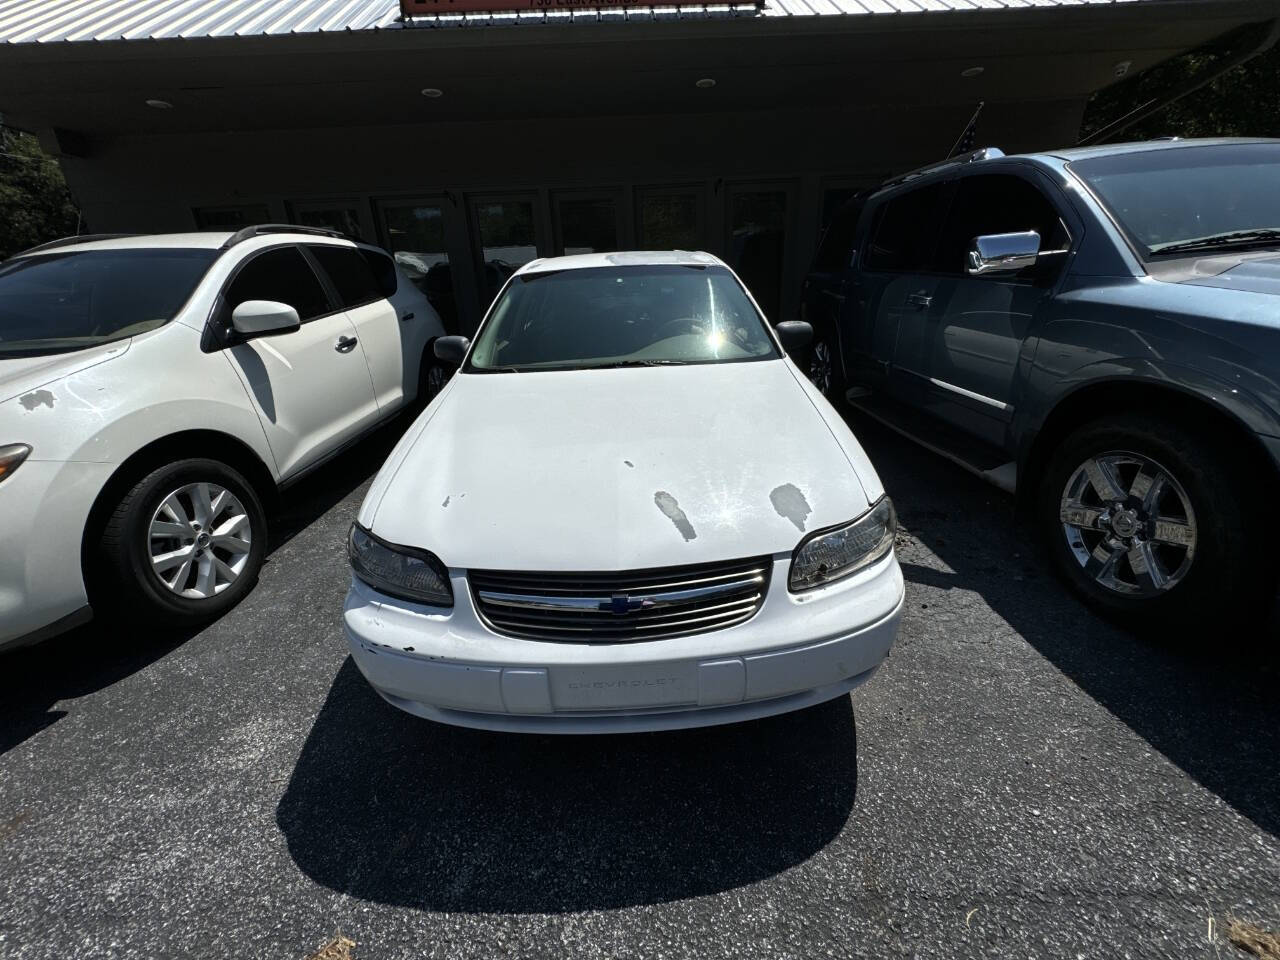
[919,301]
[345,344]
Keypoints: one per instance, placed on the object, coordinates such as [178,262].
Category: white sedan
[628,511]
[156,391]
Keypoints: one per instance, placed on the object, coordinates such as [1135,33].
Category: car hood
[616,469]
[24,376]
[1253,273]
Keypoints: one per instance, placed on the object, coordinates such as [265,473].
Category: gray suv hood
[1254,272]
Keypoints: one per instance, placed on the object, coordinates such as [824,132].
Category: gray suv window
[905,231]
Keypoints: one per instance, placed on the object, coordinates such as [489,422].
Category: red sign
[431,8]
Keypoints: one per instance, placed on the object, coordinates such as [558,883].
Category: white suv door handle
[345,344]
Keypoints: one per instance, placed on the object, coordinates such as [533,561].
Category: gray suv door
[977,324]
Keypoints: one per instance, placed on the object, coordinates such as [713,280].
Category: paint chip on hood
[791,505]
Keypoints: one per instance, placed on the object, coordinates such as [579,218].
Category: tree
[35,205]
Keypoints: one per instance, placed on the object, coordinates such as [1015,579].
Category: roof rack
[986,153]
[259,229]
[68,241]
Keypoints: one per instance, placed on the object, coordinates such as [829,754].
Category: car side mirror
[452,349]
[998,253]
[257,318]
[795,335]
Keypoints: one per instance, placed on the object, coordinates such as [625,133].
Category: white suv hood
[24,375]
[616,469]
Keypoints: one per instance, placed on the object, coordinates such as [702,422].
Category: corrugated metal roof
[49,21]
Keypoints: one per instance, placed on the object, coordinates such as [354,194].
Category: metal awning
[50,21]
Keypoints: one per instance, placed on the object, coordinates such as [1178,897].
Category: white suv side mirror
[254,318]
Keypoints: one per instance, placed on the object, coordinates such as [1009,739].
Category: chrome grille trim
[631,605]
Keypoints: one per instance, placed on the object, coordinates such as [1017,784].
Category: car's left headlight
[404,572]
[831,554]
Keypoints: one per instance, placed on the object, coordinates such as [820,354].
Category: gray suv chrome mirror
[1003,253]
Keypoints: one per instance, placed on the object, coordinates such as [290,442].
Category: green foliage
[1243,102]
[34,203]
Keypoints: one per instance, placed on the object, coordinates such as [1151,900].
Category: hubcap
[1129,524]
[435,381]
[199,540]
[820,366]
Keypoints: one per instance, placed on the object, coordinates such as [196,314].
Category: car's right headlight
[11,457]
[831,554]
[404,572]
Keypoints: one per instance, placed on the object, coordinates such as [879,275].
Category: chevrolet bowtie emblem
[622,603]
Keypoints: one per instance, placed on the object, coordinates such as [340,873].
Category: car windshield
[643,315]
[56,302]
[1192,199]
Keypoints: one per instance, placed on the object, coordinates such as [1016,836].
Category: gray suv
[1097,328]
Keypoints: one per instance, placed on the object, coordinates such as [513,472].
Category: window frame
[873,213]
[219,334]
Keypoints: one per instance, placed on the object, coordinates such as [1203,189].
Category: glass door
[586,223]
[415,232]
[506,237]
[759,223]
[346,216]
[671,218]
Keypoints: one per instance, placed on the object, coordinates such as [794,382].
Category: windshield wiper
[496,370]
[1233,238]
[637,363]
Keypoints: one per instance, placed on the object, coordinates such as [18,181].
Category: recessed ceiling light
[706,83]
[160,104]
[432,92]
[970,72]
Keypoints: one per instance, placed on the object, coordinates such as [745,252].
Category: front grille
[622,607]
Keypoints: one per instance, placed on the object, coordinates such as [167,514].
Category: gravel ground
[1020,780]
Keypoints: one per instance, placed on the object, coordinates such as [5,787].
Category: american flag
[966,142]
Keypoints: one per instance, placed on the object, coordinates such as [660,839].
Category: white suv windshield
[54,302]
[621,316]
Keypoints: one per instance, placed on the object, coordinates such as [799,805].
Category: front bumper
[800,649]
[43,509]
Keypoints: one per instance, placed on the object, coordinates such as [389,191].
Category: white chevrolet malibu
[629,510]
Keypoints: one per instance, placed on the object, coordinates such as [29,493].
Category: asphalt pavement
[1020,780]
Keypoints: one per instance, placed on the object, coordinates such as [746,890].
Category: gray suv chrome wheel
[821,366]
[1129,524]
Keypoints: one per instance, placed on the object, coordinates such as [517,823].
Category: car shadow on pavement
[1208,704]
[393,809]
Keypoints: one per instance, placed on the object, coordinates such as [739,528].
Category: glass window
[586,225]
[906,230]
[835,253]
[507,241]
[55,302]
[384,270]
[640,315]
[669,221]
[995,203]
[349,272]
[231,218]
[416,236]
[283,276]
[345,218]
[1192,198]
[757,235]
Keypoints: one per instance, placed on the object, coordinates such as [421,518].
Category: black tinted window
[384,270]
[995,203]
[837,244]
[350,273]
[283,276]
[65,301]
[906,230]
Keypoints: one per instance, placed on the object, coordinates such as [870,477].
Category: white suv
[156,390]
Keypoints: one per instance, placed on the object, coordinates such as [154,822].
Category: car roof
[622,258]
[1146,146]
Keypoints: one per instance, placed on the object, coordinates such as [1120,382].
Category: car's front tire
[184,544]
[432,377]
[823,364]
[1156,524]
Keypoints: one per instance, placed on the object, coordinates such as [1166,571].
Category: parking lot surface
[1020,780]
